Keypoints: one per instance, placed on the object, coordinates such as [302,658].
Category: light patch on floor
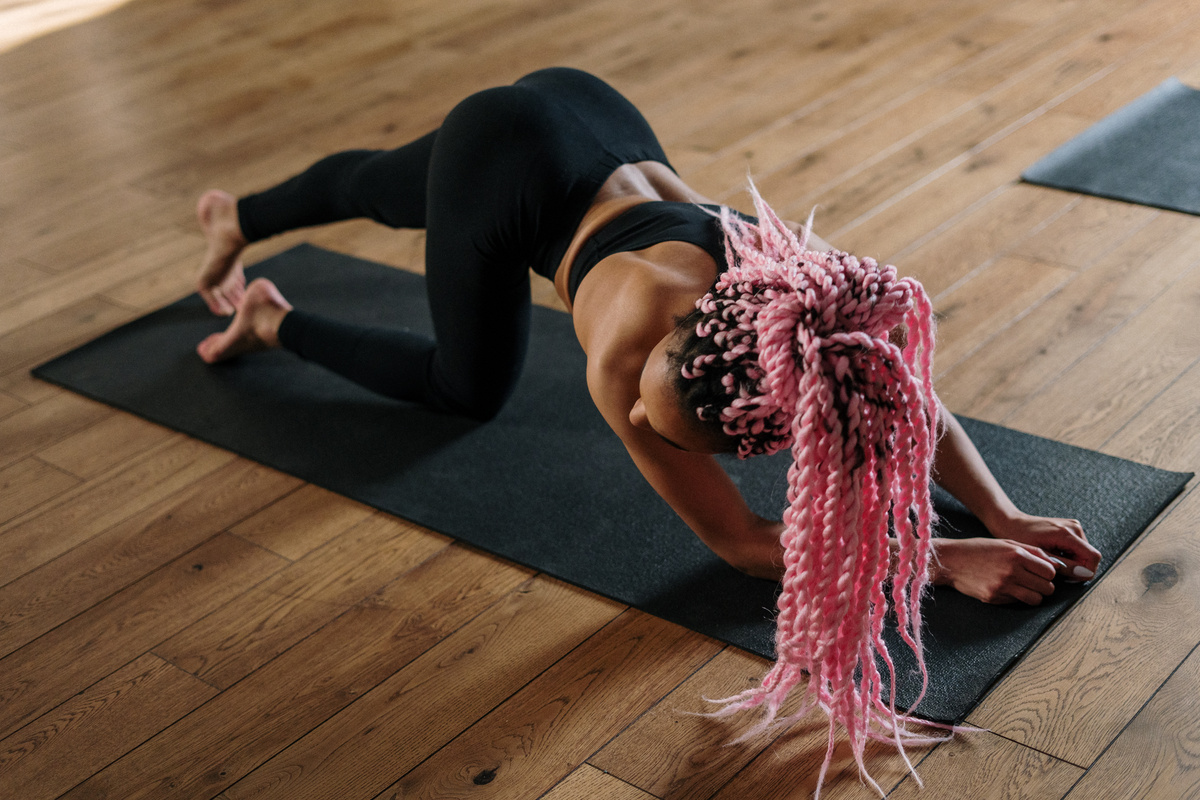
[22,20]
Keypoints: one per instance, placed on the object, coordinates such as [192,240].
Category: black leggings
[499,187]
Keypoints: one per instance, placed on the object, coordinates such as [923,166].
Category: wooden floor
[178,622]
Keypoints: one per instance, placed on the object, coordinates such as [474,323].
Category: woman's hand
[994,570]
[1063,540]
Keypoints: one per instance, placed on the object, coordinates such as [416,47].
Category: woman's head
[658,408]
[738,358]
[791,349]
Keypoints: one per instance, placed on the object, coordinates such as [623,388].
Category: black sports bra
[649,224]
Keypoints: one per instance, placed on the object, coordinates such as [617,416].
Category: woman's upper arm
[693,484]
[702,494]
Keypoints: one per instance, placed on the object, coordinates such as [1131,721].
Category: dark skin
[624,315]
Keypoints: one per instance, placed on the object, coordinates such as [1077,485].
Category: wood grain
[120,555]
[788,769]
[672,752]
[920,208]
[301,521]
[1038,348]
[1103,390]
[66,327]
[9,405]
[108,719]
[1002,770]
[250,722]
[989,301]
[43,424]
[1144,611]
[29,483]
[1088,230]
[110,634]
[1165,433]
[94,507]
[533,740]
[105,446]
[229,644]
[980,234]
[587,782]
[421,707]
[907,125]
[1155,755]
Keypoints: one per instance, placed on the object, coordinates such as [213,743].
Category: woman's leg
[387,186]
[476,262]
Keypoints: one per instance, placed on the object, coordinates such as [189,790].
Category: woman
[561,173]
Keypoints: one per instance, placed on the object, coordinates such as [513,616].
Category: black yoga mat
[547,484]
[1147,152]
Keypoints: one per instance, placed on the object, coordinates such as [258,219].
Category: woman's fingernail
[1082,573]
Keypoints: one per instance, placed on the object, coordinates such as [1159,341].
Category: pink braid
[799,341]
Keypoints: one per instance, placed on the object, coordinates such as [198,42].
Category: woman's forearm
[960,470]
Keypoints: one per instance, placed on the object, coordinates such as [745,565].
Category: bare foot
[221,281]
[255,326]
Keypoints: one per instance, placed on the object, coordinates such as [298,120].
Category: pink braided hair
[800,343]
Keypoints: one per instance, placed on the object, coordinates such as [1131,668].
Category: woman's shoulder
[620,314]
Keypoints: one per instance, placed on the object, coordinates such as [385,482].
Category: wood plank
[744,103]
[979,234]
[1075,691]
[1191,75]
[210,749]
[127,117]
[35,539]
[989,302]
[124,553]
[420,708]
[10,405]
[991,117]
[541,734]
[1092,307]
[819,158]
[29,483]
[587,783]
[28,389]
[189,173]
[93,645]
[898,221]
[1088,230]
[1115,32]
[998,768]
[1166,434]
[56,333]
[99,274]
[43,424]
[64,746]
[672,751]
[229,644]
[81,233]
[1106,388]
[789,767]
[1131,36]
[104,446]
[1156,756]
[1171,56]
[20,276]
[302,521]
[872,101]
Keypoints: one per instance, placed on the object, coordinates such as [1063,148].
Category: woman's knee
[481,406]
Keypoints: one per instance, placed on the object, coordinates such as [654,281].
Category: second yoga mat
[1147,152]
[548,485]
